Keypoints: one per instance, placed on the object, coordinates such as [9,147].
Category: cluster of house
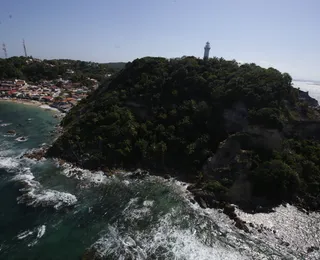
[60,94]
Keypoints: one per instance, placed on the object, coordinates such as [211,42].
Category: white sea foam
[5,124]
[24,175]
[34,195]
[24,234]
[148,203]
[21,139]
[8,163]
[134,211]
[41,231]
[89,177]
[46,198]
[163,241]
[290,225]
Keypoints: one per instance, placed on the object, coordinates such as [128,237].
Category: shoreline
[33,103]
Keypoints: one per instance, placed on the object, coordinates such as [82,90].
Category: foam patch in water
[47,198]
[24,234]
[41,231]
[34,195]
[95,178]
[5,124]
[22,139]
[164,241]
[288,226]
[8,163]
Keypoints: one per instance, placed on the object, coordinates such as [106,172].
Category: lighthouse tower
[206,51]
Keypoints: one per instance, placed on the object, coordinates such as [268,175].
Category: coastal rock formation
[36,154]
[11,132]
[304,96]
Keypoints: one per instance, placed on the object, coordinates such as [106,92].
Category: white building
[206,51]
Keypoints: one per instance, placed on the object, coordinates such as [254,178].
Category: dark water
[47,212]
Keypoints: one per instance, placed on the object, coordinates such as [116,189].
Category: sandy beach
[22,101]
[32,103]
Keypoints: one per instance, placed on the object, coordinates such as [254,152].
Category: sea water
[62,212]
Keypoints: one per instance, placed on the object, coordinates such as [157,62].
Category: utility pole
[4,48]
[24,48]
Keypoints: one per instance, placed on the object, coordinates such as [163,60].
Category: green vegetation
[35,70]
[166,115]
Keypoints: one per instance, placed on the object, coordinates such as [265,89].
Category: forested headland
[239,132]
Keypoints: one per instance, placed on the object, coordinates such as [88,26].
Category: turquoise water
[51,212]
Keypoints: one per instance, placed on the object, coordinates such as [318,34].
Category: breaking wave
[165,240]
[88,177]
[8,163]
[34,195]
[24,234]
[36,234]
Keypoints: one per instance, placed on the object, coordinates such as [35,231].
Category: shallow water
[51,212]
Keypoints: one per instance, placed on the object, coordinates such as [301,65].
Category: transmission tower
[24,48]
[4,48]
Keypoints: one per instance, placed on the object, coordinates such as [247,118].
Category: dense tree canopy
[169,114]
[34,70]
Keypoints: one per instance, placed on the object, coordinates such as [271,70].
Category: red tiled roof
[12,92]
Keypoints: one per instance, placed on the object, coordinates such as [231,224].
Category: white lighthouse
[206,51]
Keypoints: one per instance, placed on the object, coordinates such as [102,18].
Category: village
[60,94]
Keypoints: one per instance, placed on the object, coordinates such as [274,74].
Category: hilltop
[240,133]
[34,70]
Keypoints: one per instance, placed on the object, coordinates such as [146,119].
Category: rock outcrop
[304,96]
[11,132]
[36,154]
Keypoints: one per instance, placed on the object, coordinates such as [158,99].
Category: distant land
[315,82]
[34,70]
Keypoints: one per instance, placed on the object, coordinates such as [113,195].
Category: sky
[280,33]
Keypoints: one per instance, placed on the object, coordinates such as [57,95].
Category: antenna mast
[24,48]
[4,48]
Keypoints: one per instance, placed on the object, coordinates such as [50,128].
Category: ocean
[49,211]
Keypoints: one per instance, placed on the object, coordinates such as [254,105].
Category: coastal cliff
[235,131]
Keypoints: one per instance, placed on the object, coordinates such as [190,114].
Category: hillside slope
[228,126]
[36,70]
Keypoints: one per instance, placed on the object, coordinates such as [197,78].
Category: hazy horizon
[277,34]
